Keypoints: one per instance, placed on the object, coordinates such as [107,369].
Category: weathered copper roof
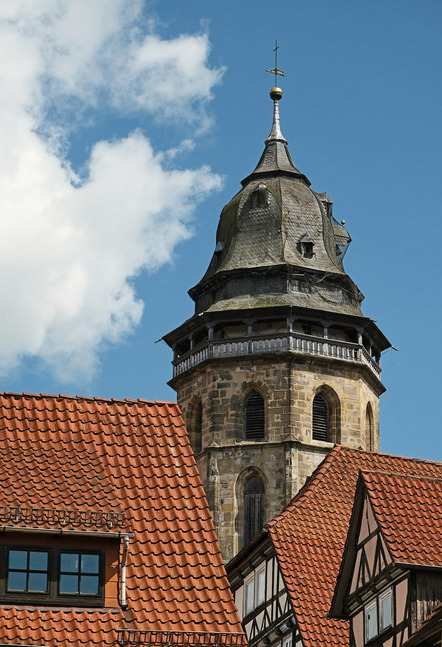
[310,534]
[115,466]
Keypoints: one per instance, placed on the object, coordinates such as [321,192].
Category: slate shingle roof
[408,510]
[132,461]
[310,534]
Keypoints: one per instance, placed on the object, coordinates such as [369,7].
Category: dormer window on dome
[305,246]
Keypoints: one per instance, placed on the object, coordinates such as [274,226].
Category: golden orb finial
[276,94]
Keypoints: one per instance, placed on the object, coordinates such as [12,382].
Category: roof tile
[131,457]
[309,535]
[409,512]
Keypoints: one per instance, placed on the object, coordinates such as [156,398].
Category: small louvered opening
[255,427]
[253,508]
[320,424]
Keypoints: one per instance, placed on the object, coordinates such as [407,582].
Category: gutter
[62,531]
[123,599]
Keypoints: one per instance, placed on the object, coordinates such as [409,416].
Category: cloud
[71,246]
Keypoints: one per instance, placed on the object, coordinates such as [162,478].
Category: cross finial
[275,70]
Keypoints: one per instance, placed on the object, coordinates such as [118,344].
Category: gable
[309,536]
[371,553]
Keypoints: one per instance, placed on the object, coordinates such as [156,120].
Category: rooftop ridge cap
[308,488]
[414,477]
[387,455]
[88,398]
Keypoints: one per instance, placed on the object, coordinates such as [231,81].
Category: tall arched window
[196,427]
[254,417]
[320,418]
[254,507]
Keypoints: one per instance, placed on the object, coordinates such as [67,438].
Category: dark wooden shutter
[253,508]
[320,424]
[255,426]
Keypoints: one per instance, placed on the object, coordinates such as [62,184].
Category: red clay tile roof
[128,466]
[309,536]
[409,512]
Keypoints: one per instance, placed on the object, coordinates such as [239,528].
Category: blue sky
[128,127]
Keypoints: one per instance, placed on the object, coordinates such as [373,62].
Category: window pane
[89,563]
[386,609]
[69,562]
[38,561]
[16,581]
[371,621]
[260,586]
[89,585]
[249,596]
[38,582]
[69,584]
[18,559]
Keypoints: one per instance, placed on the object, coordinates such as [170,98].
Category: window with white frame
[260,585]
[249,594]
[287,642]
[255,589]
[378,614]
[385,610]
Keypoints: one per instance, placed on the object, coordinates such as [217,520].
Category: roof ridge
[310,485]
[402,458]
[64,396]
[415,477]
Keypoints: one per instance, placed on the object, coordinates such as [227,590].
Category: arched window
[254,507]
[320,418]
[254,417]
[196,427]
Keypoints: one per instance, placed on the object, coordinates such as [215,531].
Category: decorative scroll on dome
[44,517]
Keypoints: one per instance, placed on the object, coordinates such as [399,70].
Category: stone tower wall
[288,455]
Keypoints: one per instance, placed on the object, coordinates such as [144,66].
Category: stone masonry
[288,455]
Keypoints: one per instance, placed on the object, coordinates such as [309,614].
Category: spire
[275,160]
[275,133]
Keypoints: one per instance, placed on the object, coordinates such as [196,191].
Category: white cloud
[69,248]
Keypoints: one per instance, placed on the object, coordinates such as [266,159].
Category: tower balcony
[275,343]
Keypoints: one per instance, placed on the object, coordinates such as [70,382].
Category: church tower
[278,363]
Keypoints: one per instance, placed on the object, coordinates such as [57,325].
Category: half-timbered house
[284,580]
[391,573]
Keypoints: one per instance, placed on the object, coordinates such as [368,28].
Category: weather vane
[275,70]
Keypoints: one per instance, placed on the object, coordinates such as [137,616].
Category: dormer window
[28,571]
[51,576]
[79,573]
[305,246]
[307,250]
[259,197]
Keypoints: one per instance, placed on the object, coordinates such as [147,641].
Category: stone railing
[239,347]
